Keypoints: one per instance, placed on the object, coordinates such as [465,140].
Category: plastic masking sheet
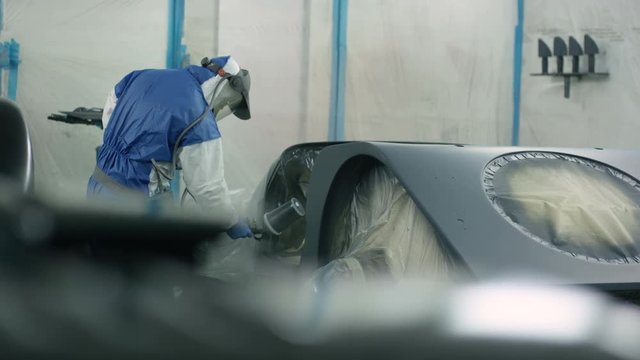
[237,260]
[578,206]
[288,178]
[385,235]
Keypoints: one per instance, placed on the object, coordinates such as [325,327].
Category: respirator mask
[231,93]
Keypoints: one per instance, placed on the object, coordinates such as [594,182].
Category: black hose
[176,146]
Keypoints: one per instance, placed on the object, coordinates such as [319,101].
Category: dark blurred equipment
[65,293]
[16,158]
[113,234]
[57,305]
[69,309]
[576,51]
[81,115]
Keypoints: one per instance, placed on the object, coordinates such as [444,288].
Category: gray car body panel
[445,181]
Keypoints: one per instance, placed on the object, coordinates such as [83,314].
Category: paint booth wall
[436,70]
[71,56]
[286,45]
[600,113]
[417,70]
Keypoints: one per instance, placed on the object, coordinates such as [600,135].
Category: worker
[158,120]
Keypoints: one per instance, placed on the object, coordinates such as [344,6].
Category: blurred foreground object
[74,310]
[381,209]
[132,231]
[16,158]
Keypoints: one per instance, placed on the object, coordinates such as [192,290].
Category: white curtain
[286,46]
[437,70]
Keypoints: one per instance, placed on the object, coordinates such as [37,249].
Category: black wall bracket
[575,51]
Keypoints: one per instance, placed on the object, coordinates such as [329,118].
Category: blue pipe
[10,60]
[175,49]
[14,59]
[171,34]
[176,55]
[338,74]
[517,74]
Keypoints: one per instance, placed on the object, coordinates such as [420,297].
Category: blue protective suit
[153,108]
[143,117]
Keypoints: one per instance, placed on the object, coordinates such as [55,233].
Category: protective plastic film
[574,205]
[237,260]
[289,178]
[384,234]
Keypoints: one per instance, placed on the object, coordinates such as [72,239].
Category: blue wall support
[176,58]
[517,74]
[14,62]
[10,60]
[338,72]
[176,51]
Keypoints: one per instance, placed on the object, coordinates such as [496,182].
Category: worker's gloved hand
[239,230]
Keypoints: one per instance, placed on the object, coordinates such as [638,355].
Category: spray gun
[277,220]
